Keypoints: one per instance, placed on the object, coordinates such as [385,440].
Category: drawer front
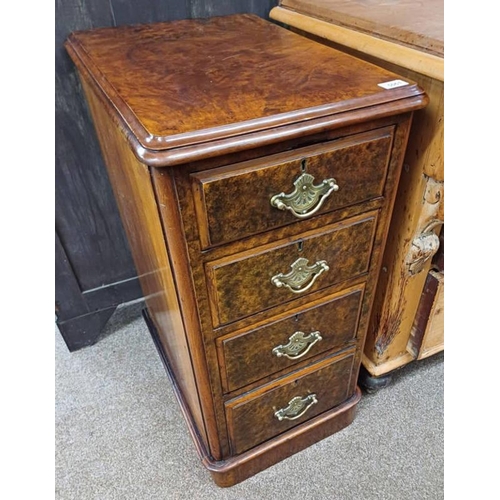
[252,355]
[252,281]
[235,201]
[271,410]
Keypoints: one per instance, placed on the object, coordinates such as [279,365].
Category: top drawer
[239,200]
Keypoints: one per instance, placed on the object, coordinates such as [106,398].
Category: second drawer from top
[248,282]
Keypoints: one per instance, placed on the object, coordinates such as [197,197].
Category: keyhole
[303,165]
[300,245]
[296,317]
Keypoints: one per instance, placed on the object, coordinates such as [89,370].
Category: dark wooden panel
[208,8]
[82,316]
[423,314]
[148,11]
[69,300]
[94,268]
[86,217]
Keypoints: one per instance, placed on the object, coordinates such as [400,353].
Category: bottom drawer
[272,409]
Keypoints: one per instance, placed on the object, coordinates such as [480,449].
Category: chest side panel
[138,208]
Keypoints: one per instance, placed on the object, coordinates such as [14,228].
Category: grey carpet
[120,434]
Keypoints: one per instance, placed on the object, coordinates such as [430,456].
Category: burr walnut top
[189,82]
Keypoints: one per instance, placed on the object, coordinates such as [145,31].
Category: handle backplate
[301,277]
[298,345]
[296,407]
[306,199]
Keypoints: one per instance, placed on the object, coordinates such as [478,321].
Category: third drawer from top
[278,345]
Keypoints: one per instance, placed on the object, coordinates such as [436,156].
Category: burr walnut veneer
[255,172]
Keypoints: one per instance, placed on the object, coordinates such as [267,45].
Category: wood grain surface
[416,23]
[420,199]
[389,345]
[361,44]
[238,90]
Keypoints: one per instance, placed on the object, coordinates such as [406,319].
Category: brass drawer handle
[296,408]
[296,343]
[300,274]
[306,198]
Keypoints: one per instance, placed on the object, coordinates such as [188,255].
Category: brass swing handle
[306,199]
[296,408]
[301,277]
[296,343]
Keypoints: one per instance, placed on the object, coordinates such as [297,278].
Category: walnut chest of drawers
[255,172]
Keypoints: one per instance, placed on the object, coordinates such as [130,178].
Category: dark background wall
[94,268]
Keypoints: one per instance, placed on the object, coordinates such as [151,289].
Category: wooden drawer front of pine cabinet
[255,280]
[235,201]
[326,324]
[253,419]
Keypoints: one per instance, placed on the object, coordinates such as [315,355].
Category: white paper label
[393,84]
